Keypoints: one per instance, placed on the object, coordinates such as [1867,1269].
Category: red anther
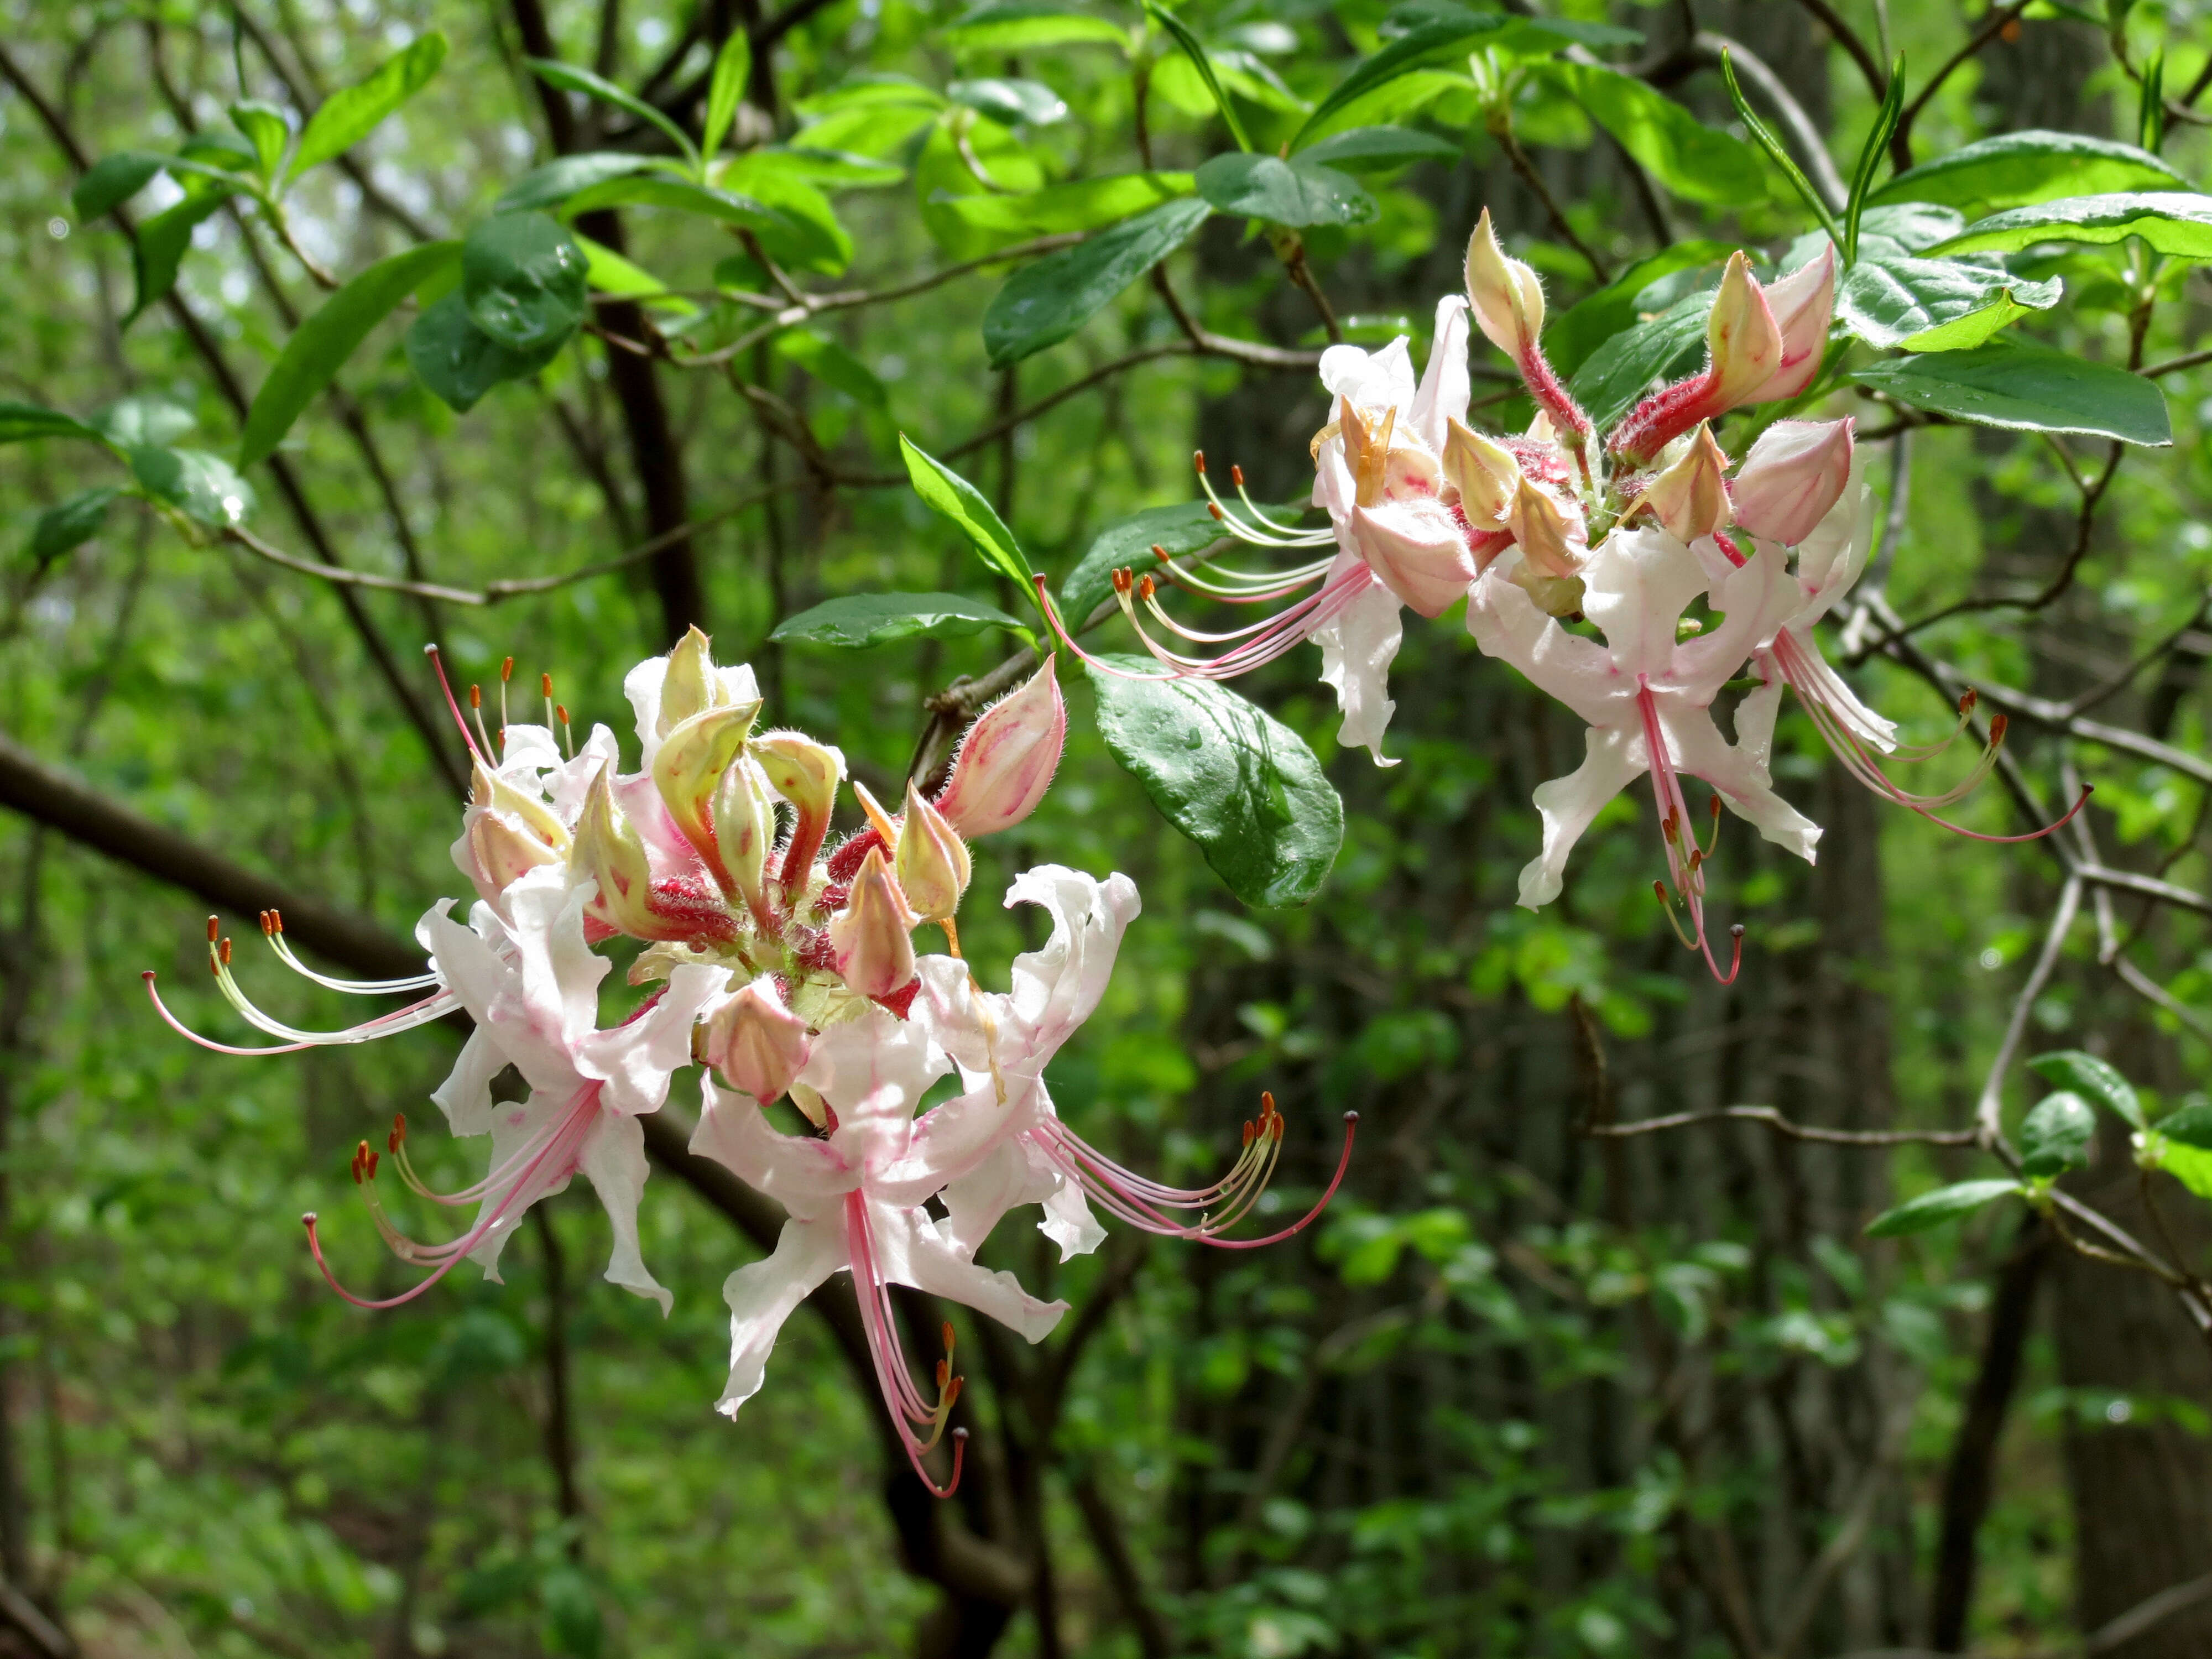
[1998,725]
[276,920]
[545,683]
[506,670]
[399,1130]
[360,1161]
[1967,699]
[1145,588]
[1121,579]
[1198,460]
[1696,858]
[372,1164]
[1669,828]
[223,951]
[561,713]
[1247,1134]
[264,924]
[952,1398]
[215,926]
[1161,554]
[1214,507]
[948,1336]
[1660,888]
[475,696]
[944,1375]
[1237,475]
[1266,1103]
[1713,809]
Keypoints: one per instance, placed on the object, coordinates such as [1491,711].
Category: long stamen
[506,673]
[438,662]
[1686,860]
[475,711]
[402,1019]
[911,1414]
[1275,535]
[272,929]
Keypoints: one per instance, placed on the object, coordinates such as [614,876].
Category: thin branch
[1993,25]
[1877,77]
[1502,130]
[1988,1111]
[2175,365]
[1769,1118]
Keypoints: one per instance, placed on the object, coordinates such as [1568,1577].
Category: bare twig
[1988,1111]
[1768,1117]
[1992,26]
[1501,129]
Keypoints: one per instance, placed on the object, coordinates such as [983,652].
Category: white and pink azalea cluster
[1585,559]
[786,968]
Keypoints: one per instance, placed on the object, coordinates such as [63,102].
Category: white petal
[809,1177]
[912,1252]
[873,1071]
[613,1161]
[1758,599]
[1699,749]
[1069,1224]
[1356,648]
[637,1058]
[1416,548]
[1755,718]
[1056,988]
[559,991]
[1615,757]
[1004,1178]
[1444,387]
[1638,583]
[514,1125]
[1831,557]
[1579,672]
[762,1294]
[642,685]
[465,1095]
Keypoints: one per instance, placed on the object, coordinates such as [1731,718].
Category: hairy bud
[1552,558]
[1690,498]
[806,773]
[868,938]
[1742,341]
[688,768]
[1507,298]
[744,813]
[1793,475]
[932,863]
[1007,759]
[1484,473]
[609,851]
[1802,304]
[756,1043]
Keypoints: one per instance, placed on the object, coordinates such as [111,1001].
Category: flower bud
[1742,341]
[1007,759]
[868,938]
[1420,556]
[688,687]
[931,864]
[806,773]
[756,1043]
[1690,498]
[1484,473]
[688,768]
[744,814]
[1551,556]
[1793,475]
[496,849]
[1802,305]
[1507,298]
[609,851]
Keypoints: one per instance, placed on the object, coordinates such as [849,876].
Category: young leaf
[557,180]
[2095,1079]
[1936,305]
[1011,103]
[1084,204]
[805,234]
[1377,149]
[2018,169]
[1049,298]
[609,273]
[1235,780]
[857,620]
[321,345]
[1694,161]
[1918,1215]
[159,252]
[523,280]
[2179,222]
[65,528]
[460,362]
[952,498]
[680,196]
[1624,368]
[19,421]
[830,363]
[264,128]
[112,180]
[2055,1136]
[1870,157]
[202,487]
[1028,25]
[350,116]
[2150,103]
[1194,50]
[128,423]
[2026,388]
[2190,1127]
[1297,193]
[1446,30]
[726,90]
[569,78]
[1763,136]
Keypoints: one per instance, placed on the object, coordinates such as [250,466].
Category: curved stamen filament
[405,1019]
[1686,859]
[921,1423]
[438,662]
[1284,632]
[272,929]
[1273,535]
[402,1019]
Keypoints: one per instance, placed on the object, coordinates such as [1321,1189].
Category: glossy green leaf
[159,251]
[265,129]
[1194,50]
[2190,1127]
[68,526]
[876,130]
[993,221]
[1936,305]
[19,421]
[1902,232]
[1029,25]
[1684,155]
[321,345]
[523,279]
[1296,193]
[1933,1209]
[856,621]
[726,89]
[204,487]
[1620,372]
[557,180]
[2055,1136]
[2093,1079]
[1180,528]
[677,196]
[1775,151]
[1873,151]
[2026,388]
[569,78]
[1049,298]
[1572,337]
[805,233]
[460,362]
[1445,33]
[1011,103]
[142,418]
[2017,168]
[609,273]
[112,180]
[1377,149]
[2191,1166]
[1230,777]
[953,499]
[2176,222]
[350,116]
[829,169]
[830,363]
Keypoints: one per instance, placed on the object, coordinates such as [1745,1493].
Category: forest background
[1527,1391]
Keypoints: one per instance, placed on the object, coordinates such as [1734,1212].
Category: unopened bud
[688,689]
[744,812]
[806,773]
[868,938]
[1420,556]
[1793,474]
[688,768]
[489,789]
[756,1043]
[1690,498]
[932,863]
[1007,759]
[1484,473]
[1802,304]
[609,851]
[1539,526]
[496,852]
[1507,298]
[1743,343]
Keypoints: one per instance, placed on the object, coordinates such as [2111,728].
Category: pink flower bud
[1690,498]
[1802,305]
[609,851]
[1507,298]
[496,849]
[1552,552]
[744,814]
[932,864]
[689,685]
[688,768]
[1417,550]
[756,1043]
[1483,472]
[868,938]
[1793,474]
[806,773]
[1743,343]
[1007,759]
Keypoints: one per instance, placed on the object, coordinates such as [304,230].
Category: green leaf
[2192,1125]
[806,232]
[952,498]
[2095,1079]
[1028,25]
[678,196]
[159,251]
[1377,149]
[859,620]
[833,366]
[460,362]
[347,117]
[321,345]
[1570,338]
[65,528]
[265,129]
[609,273]
[869,129]
[569,78]
[130,421]
[1871,154]
[1694,161]
[733,63]
[1903,232]
[1194,50]
[2177,222]
[1918,1215]
[204,487]
[2189,1165]
[1011,103]
[1936,305]
[557,181]
[1049,298]
[1763,136]
[836,170]
[2026,388]
[1085,204]
[1620,372]
[1296,193]
[523,280]
[2054,1137]
[1180,528]
[218,153]
[1234,779]
[19,421]
[112,180]
[2018,169]
[1441,36]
